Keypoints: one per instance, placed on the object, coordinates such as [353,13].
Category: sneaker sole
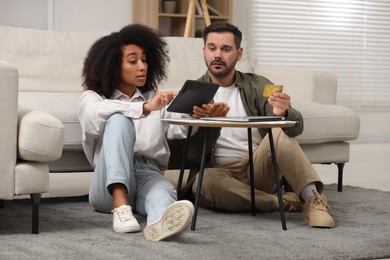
[131,229]
[319,223]
[175,219]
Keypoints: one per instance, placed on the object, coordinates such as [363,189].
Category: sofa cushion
[327,123]
[40,136]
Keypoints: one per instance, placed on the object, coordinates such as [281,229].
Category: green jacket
[251,87]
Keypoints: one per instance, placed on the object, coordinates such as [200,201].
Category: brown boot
[291,202]
[315,212]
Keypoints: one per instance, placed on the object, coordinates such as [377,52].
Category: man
[226,186]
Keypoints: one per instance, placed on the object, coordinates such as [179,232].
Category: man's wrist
[285,113]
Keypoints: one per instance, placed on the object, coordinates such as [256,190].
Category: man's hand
[211,110]
[160,100]
[280,102]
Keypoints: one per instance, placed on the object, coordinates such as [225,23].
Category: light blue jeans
[148,191]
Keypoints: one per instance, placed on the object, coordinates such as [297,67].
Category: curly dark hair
[223,27]
[102,66]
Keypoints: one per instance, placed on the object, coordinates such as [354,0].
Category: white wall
[374,127]
[240,15]
[92,15]
[67,15]
[24,13]
[111,15]
[83,15]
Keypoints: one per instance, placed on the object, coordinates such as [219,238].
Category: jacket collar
[239,80]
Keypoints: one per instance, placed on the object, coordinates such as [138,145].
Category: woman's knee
[120,124]
[119,120]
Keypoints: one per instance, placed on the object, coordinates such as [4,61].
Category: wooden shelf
[149,12]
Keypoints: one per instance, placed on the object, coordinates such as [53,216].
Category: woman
[124,137]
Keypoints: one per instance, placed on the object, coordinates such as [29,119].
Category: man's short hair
[223,27]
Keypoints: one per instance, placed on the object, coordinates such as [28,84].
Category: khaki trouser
[228,186]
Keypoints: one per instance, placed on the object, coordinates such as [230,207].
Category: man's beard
[221,74]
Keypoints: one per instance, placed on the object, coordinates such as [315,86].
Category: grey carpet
[70,229]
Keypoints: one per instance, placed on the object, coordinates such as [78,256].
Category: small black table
[268,125]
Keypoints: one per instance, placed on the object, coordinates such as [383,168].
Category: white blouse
[151,132]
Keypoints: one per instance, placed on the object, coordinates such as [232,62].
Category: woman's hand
[211,110]
[160,100]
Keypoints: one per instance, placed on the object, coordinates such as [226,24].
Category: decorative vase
[169,6]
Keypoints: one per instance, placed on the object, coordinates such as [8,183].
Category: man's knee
[213,180]
[287,143]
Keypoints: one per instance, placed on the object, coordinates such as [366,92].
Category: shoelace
[125,214]
[288,207]
[291,205]
[318,202]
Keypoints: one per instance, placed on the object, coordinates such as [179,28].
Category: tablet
[193,93]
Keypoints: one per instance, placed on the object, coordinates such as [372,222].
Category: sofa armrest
[40,136]
[8,127]
[301,84]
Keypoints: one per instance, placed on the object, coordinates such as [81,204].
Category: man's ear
[239,53]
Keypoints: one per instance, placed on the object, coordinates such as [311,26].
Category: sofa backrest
[52,62]
[303,84]
[49,61]
[186,61]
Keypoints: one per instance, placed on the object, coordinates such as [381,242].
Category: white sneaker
[174,220]
[124,220]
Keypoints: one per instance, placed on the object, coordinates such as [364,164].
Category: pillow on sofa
[40,136]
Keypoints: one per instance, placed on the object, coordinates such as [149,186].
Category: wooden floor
[369,167]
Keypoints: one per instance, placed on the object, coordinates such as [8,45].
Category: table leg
[183,163]
[277,181]
[251,174]
[200,179]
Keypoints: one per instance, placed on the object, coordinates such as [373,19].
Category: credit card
[271,88]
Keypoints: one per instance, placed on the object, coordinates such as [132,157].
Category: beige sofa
[29,140]
[50,63]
